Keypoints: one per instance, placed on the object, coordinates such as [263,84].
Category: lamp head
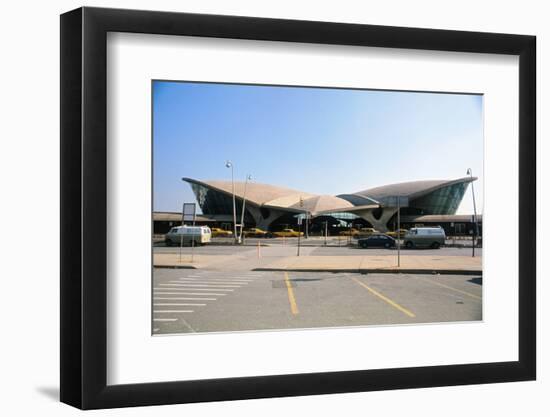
[469,172]
[228,164]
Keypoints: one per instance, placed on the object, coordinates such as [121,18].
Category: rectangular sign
[189,212]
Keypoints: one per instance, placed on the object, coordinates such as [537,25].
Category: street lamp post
[229,164]
[248,177]
[476,233]
[398,231]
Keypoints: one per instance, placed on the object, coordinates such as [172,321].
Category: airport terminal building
[271,207]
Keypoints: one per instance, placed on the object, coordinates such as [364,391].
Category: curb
[378,271]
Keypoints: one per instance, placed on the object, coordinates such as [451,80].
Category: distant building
[271,207]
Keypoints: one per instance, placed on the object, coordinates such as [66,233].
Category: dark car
[377,241]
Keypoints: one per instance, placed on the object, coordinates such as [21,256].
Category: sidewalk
[409,264]
[420,264]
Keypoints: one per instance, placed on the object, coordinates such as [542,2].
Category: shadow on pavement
[476,280]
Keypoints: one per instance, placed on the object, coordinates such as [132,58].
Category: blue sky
[325,141]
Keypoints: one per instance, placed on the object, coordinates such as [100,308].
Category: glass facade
[357,200]
[344,216]
[214,202]
[442,201]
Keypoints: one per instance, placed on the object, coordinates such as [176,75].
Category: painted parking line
[179,284]
[291,297]
[210,281]
[185,298]
[218,280]
[218,277]
[159,319]
[477,297]
[179,304]
[172,311]
[225,275]
[240,278]
[189,289]
[384,298]
[187,293]
[196,287]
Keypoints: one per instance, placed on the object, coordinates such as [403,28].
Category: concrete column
[380,224]
[261,222]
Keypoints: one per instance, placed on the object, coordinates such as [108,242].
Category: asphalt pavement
[189,301]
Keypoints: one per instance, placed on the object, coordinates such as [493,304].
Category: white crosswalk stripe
[185,298]
[180,284]
[197,289]
[187,293]
[172,311]
[179,304]
[209,281]
[206,280]
[190,289]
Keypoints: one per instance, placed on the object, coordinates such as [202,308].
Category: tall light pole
[248,178]
[469,172]
[229,164]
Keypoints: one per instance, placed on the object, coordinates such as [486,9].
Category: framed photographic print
[257,207]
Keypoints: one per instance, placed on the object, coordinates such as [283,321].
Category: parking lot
[218,300]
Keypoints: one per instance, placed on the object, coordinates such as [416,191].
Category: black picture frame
[84,179]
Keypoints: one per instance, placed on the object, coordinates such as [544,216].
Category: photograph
[280,207]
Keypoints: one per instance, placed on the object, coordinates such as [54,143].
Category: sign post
[398,232]
[300,225]
[188,215]
[299,233]
[399,201]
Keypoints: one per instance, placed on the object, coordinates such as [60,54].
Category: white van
[425,237]
[187,234]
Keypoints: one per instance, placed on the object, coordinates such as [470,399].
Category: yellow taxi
[349,232]
[287,233]
[254,232]
[217,232]
[394,233]
[365,231]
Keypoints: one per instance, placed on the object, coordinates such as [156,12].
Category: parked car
[287,233]
[217,232]
[349,232]
[377,241]
[427,237]
[185,235]
[254,232]
[401,232]
[365,231]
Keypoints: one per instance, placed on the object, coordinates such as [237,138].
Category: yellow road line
[384,298]
[291,298]
[477,297]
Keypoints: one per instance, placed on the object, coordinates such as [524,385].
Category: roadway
[290,248]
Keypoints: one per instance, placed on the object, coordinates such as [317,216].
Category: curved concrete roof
[323,203]
[412,189]
[277,197]
[256,193]
[289,199]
